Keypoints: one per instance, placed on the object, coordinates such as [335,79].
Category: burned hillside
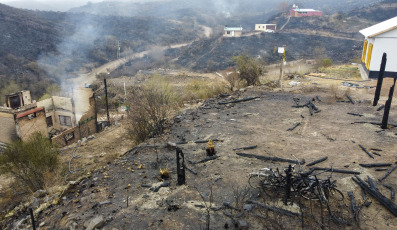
[216,53]
[129,191]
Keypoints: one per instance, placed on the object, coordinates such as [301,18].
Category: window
[49,121]
[31,116]
[364,51]
[65,120]
[228,32]
[369,55]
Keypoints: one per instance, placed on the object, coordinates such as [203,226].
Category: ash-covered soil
[122,194]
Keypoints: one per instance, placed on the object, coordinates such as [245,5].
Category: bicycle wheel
[255,180]
[336,194]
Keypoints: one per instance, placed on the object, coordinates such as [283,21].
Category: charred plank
[388,173]
[366,151]
[237,101]
[354,207]
[270,158]
[203,160]
[292,128]
[246,148]
[375,165]
[317,161]
[336,170]
[355,114]
[351,99]
[387,203]
[393,192]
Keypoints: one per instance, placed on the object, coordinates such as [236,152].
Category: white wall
[389,46]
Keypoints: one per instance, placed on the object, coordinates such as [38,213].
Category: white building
[233,31]
[270,28]
[380,38]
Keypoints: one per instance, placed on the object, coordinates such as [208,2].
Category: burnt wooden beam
[375,165]
[380,108]
[387,203]
[317,161]
[336,170]
[380,79]
[205,141]
[393,192]
[203,160]
[387,173]
[381,170]
[354,207]
[292,128]
[271,158]
[372,123]
[237,101]
[372,183]
[355,114]
[246,147]
[375,153]
[366,151]
[351,99]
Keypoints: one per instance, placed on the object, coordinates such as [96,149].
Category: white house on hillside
[380,38]
[232,31]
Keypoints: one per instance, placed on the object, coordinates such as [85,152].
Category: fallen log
[237,101]
[366,151]
[351,99]
[355,114]
[354,207]
[246,148]
[203,160]
[275,209]
[336,170]
[317,161]
[271,158]
[387,203]
[393,192]
[296,125]
[375,165]
[388,173]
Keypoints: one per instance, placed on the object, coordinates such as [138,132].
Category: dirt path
[89,78]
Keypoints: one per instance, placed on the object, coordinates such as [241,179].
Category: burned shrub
[150,105]
[249,68]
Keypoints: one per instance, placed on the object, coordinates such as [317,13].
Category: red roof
[30,112]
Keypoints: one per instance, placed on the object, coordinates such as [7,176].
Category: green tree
[29,161]
[326,63]
[249,68]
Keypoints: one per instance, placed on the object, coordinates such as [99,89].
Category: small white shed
[380,38]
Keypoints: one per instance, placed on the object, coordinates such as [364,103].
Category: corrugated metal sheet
[380,28]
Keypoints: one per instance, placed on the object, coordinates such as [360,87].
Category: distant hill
[39,48]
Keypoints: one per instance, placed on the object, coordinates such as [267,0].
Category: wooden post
[387,106]
[180,166]
[380,79]
[106,97]
[32,218]
[282,70]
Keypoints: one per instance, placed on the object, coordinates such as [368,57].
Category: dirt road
[89,78]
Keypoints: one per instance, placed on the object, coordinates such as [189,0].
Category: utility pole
[281,50]
[106,98]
